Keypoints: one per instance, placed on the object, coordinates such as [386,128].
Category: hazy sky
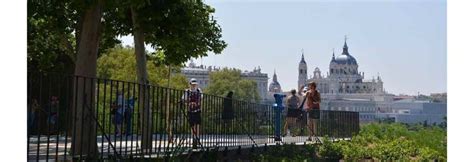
[404,41]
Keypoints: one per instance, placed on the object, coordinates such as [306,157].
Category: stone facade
[201,74]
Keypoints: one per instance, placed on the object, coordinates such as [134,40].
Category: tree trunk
[145,113]
[84,140]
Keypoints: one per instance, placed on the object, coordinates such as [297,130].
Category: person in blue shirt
[119,113]
[129,115]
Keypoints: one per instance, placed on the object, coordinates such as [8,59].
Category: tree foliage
[119,63]
[53,33]
[225,80]
[178,30]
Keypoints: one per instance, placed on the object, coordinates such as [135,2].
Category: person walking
[313,98]
[302,118]
[228,112]
[34,110]
[129,115]
[53,108]
[292,102]
[192,97]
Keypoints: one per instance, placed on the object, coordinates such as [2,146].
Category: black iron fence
[80,118]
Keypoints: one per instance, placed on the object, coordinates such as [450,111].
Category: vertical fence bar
[111,117]
[155,117]
[126,116]
[153,108]
[30,114]
[58,114]
[134,123]
[38,131]
[116,107]
[162,116]
[103,115]
[68,118]
[48,117]
[97,113]
[92,116]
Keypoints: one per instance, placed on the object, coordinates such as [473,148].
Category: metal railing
[80,118]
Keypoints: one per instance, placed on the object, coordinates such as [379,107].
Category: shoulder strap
[302,104]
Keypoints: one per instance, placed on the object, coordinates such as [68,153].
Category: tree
[227,80]
[67,37]
[119,64]
[180,29]
[76,33]
[54,30]
[86,65]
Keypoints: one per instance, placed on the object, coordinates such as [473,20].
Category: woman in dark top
[228,112]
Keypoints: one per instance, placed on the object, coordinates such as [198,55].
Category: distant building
[413,112]
[344,88]
[201,73]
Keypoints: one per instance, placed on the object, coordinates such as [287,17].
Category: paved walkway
[130,145]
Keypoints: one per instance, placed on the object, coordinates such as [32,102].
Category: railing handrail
[251,123]
[141,84]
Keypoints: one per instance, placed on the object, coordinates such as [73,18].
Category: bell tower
[302,71]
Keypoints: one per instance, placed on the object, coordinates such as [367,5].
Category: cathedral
[343,76]
[344,87]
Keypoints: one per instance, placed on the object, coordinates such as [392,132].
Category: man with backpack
[292,102]
[192,97]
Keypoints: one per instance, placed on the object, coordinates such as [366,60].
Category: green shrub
[330,150]
[390,142]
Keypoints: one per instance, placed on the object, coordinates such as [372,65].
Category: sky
[402,41]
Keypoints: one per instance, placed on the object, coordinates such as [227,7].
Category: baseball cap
[193,81]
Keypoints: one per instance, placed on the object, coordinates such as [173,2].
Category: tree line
[69,37]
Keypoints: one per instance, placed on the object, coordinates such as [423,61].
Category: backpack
[293,101]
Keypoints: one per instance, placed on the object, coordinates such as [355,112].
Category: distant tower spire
[274,76]
[333,57]
[345,48]
[302,57]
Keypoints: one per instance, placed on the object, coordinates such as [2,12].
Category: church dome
[346,59]
[274,85]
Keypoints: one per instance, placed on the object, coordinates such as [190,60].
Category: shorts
[293,113]
[194,118]
[314,114]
